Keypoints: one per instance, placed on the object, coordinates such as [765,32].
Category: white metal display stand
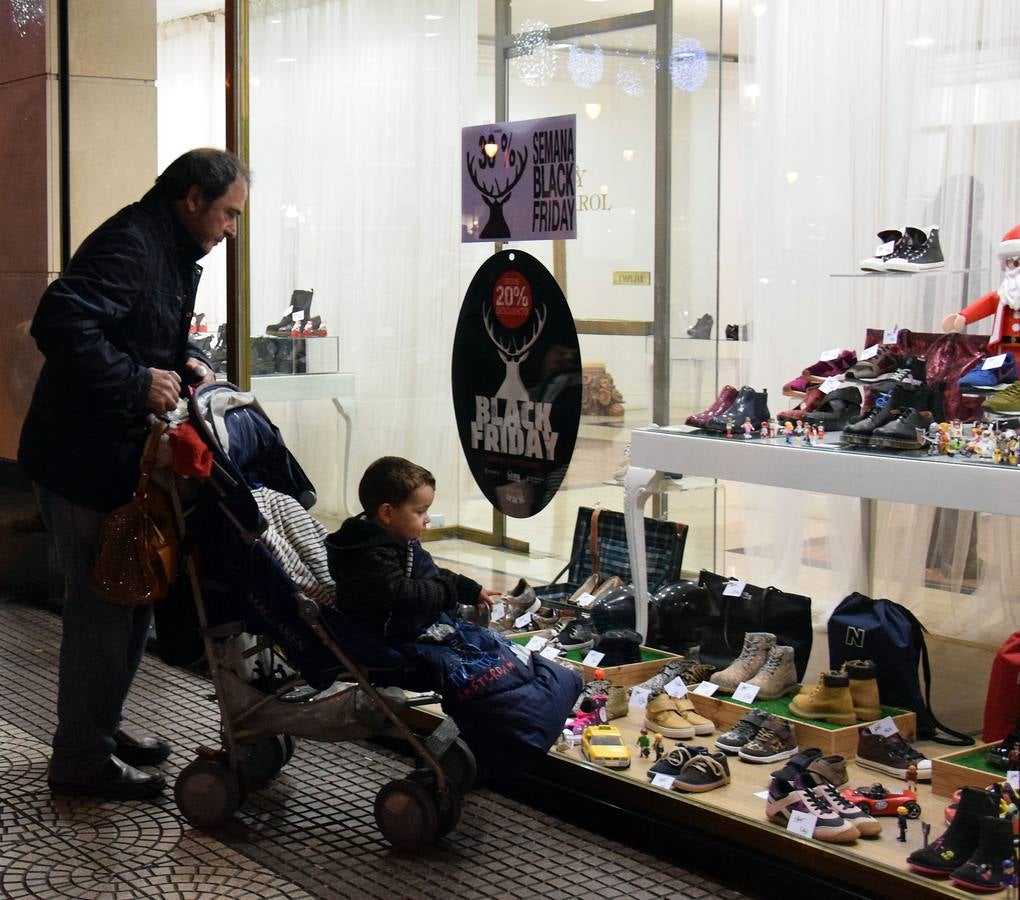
[922,480]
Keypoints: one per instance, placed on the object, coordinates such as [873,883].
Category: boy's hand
[486,598]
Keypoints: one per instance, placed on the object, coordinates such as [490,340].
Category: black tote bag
[787,616]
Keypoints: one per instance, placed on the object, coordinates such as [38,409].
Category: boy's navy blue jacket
[391,587]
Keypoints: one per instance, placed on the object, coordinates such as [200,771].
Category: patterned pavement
[310,834]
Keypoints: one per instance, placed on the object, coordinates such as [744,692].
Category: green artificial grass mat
[781,707]
[975,759]
[647,654]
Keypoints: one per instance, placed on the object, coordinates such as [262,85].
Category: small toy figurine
[932,439]
[729,426]
[562,744]
[765,430]
[821,431]
[901,821]
[644,742]
[806,439]
[912,777]
[773,427]
[788,431]
[748,428]
[1009,878]
[799,430]
[657,746]
[925,831]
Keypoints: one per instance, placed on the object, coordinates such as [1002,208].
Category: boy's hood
[358,533]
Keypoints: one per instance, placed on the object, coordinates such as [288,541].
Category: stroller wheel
[450,808]
[406,814]
[208,793]
[261,759]
[290,743]
[459,766]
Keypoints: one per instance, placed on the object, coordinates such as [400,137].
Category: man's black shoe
[902,433]
[140,750]
[115,781]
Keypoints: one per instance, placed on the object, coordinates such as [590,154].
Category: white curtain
[857,115]
[191,112]
[355,111]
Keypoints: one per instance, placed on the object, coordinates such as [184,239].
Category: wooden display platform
[965,768]
[841,739]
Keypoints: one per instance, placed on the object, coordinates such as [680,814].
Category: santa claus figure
[1003,304]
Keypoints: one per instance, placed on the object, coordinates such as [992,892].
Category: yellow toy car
[603,745]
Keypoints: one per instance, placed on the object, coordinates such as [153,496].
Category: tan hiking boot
[778,675]
[755,651]
[863,674]
[829,701]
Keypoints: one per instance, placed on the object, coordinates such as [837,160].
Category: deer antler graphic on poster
[513,352]
[506,165]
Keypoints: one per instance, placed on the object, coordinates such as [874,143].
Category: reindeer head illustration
[513,352]
[513,163]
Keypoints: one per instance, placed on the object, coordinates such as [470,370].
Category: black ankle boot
[958,842]
[983,871]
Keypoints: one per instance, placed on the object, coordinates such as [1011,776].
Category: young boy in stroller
[509,704]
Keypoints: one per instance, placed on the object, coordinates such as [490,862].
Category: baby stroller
[247,610]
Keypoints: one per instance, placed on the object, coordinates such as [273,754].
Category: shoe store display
[521,599]
[757,645]
[956,845]
[1004,403]
[909,374]
[885,410]
[789,792]
[722,403]
[922,254]
[685,706]
[574,634]
[828,701]
[545,617]
[731,741]
[903,433]
[830,368]
[825,789]
[298,311]
[983,870]
[736,332]
[885,251]
[778,675]
[674,760]
[703,772]
[749,404]
[883,363]
[774,741]
[890,754]
[828,768]
[798,387]
[863,676]
[835,411]
[702,329]
[981,380]
[662,716]
[690,671]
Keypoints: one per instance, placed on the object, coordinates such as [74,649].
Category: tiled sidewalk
[311,833]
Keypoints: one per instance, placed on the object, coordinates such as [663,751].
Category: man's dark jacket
[123,304]
[373,588]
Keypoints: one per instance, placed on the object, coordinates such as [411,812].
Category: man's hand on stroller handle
[164,391]
[197,372]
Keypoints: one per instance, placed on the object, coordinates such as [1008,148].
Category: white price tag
[593,658]
[676,688]
[868,352]
[830,384]
[536,644]
[830,355]
[762,795]
[522,653]
[885,249]
[994,362]
[661,779]
[802,823]
[639,697]
[522,621]
[885,727]
[549,652]
[705,689]
[890,335]
[585,600]
[1013,777]
[745,692]
[498,611]
[734,588]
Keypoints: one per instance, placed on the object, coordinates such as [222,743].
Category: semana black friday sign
[516,376]
[518,180]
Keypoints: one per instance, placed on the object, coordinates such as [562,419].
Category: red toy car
[879,802]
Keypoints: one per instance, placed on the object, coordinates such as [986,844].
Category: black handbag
[787,616]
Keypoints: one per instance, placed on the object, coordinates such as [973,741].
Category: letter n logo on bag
[854,636]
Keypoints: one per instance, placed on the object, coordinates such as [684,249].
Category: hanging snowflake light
[585,68]
[27,14]
[629,81]
[535,61]
[688,64]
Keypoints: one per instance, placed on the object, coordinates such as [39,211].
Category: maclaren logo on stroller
[510,421]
